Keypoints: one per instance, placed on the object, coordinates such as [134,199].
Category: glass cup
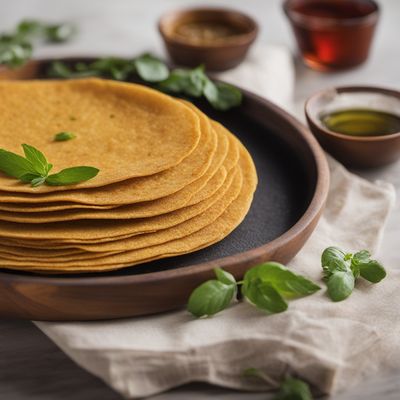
[333,34]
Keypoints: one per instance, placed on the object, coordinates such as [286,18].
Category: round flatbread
[139,189]
[85,252]
[123,129]
[212,233]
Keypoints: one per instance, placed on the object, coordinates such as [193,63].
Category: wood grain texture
[258,123]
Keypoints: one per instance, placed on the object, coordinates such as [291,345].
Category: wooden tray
[293,185]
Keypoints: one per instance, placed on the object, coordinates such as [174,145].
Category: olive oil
[362,122]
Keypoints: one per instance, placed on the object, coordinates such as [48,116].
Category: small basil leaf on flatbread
[72,176]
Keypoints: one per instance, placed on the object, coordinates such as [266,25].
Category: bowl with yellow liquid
[358,125]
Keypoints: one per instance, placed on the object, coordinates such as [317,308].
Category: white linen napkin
[331,345]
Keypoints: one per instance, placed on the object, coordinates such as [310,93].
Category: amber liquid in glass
[333,34]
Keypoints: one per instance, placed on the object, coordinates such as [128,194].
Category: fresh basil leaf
[150,68]
[28,28]
[372,271]
[72,176]
[38,181]
[286,282]
[264,296]
[64,136]
[28,178]
[369,269]
[176,82]
[226,96]
[14,165]
[59,69]
[340,285]
[210,91]
[210,298]
[333,259]
[196,83]
[361,257]
[59,33]
[294,389]
[224,276]
[37,159]
[14,53]
[115,68]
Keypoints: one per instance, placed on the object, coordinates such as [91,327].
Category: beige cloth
[332,345]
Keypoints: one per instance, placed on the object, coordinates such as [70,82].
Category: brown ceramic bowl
[216,55]
[355,151]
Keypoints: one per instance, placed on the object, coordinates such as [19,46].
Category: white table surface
[31,366]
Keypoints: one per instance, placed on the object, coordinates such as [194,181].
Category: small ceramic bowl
[355,151]
[216,55]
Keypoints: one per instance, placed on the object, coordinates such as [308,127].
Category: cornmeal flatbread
[130,191]
[212,233]
[140,130]
[171,181]
[224,199]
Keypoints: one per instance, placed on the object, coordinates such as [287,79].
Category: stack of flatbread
[171,180]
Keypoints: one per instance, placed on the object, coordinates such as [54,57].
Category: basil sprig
[341,270]
[294,389]
[267,286]
[34,169]
[16,47]
[187,82]
[289,389]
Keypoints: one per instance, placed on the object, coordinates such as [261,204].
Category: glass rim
[307,20]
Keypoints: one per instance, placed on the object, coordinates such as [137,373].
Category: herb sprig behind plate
[34,169]
[187,82]
[16,47]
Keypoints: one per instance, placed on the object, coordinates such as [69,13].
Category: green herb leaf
[340,285]
[28,28]
[15,165]
[369,269]
[14,53]
[333,259]
[28,178]
[197,81]
[264,296]
[210,298]
[37,159]
[224,97]
[372,271]
[294,389]
[38,181]
[176,82]
[64,136]
[151,69]
[224,276]
[16,47]
[59,33]
[59,69]
[286,282]
[72,176]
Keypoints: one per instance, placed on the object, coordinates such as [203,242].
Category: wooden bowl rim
[309,217]
[339,137]
[242,39]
